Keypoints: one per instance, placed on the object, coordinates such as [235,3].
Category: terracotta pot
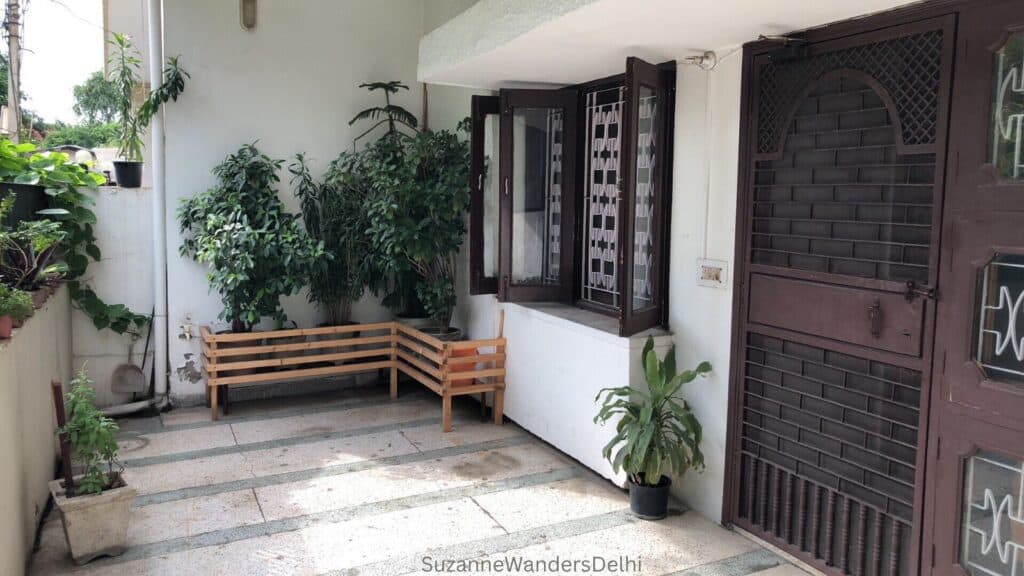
[6,325]
[94,524]
[462,366]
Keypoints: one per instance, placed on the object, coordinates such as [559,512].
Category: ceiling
[513,43]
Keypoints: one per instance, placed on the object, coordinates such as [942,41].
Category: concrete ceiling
[509,43]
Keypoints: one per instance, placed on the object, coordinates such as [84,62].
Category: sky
[63,43]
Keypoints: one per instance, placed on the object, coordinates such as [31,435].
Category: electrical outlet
[712,273]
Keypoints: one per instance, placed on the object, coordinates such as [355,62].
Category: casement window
[570,195]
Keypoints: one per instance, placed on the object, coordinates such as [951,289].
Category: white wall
[123,276]
[705,162]
[36,353]
[292,84]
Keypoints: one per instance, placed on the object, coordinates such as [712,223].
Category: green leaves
[257,252]
[91,435]
[655,429]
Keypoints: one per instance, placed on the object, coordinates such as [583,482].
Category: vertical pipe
[65,444]
[154,10]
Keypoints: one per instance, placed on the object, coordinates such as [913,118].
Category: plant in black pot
[124,64]
[656,431]
[256,250]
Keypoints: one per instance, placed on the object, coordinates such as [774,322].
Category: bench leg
[446,412]
[499,405]
[394,382]
[213,402]
[227,400]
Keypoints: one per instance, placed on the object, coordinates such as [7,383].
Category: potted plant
[655,431]
[15,306]
[95,508]
[419,220]
[334,214]
[124,63]
[33,178]
[257,252]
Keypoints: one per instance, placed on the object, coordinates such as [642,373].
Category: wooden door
[975,516]
[841,192]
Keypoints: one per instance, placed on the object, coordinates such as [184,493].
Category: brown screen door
[976,515]
[841,190]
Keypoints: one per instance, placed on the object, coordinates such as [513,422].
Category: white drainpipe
[156,132]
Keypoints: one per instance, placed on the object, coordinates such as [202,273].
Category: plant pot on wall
[128,173]
[6,326]
[29,199]
[95,524]
[650,502]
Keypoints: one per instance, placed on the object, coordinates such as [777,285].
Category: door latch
[913,290]
[875,318]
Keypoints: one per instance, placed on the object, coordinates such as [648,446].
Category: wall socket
[712,273]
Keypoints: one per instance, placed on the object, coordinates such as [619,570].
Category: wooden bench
[448,369]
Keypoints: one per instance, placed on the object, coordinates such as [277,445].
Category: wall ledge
[588,323]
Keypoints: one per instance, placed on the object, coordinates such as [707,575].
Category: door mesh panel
[908,67]
[829,447]
[840,199]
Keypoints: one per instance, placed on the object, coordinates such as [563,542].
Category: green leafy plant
[334,214]
[15,303]
[256,250]
[655,428]
[417,214]
[92,438]
[391,114]
[124,63]
[27,252]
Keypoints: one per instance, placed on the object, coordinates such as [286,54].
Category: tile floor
[350,482]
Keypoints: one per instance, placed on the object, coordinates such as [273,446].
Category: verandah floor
[352,482]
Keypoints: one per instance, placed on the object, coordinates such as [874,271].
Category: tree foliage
[256,250]
[96,99]
[84,135]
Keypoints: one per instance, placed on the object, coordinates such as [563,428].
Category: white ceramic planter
[97,524]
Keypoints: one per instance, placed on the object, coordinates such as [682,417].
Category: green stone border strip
[739,565]
[229,535]
[299,475]
[277,443]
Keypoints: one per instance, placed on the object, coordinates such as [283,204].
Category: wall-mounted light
[247,14]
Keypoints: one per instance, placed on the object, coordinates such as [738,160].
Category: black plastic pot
[128,174]
[28,200]
[650,502]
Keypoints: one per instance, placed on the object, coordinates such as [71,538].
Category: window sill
[583,320]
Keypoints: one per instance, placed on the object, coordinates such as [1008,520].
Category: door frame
[881,24]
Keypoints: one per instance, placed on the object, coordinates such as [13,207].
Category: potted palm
[94,505]
[656,431]
[124,63]
[334,214]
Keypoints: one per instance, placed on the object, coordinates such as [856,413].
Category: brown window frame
[479,283]
[660,77]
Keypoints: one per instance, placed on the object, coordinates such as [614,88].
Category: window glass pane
[999,342]
[643,223]
[491,194]
[992,538]
[1006,147]
[536,195]
[600,283]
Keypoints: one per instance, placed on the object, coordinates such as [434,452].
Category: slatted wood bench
[448,369]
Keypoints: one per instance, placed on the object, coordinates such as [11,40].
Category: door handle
[875,318]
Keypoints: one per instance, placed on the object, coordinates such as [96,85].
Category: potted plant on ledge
[95,508]
[655,431]
[124,62]
[15,306]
